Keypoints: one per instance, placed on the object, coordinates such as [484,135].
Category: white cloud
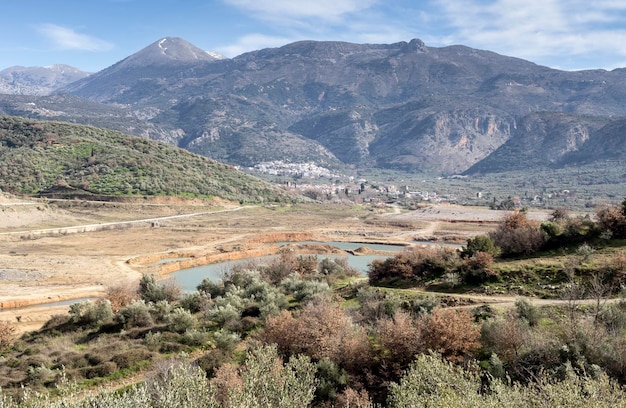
[572,34]
[330,10]
[536,27]
[67,39]
[358,21]
[252,42]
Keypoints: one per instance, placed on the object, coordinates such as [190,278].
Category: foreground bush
[433,382]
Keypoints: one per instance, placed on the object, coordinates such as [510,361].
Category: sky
[94,34]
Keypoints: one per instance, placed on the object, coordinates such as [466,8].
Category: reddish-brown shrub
[477,268]
[400,339]
[414,265]
[516,235]
[7,333]
[452,333]
[226,379]
[320,330]
[121,295]
[505,336]
[352,398]
[612,219]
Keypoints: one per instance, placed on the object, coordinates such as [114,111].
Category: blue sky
[94,34]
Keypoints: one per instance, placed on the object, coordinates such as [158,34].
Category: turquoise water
[188,279]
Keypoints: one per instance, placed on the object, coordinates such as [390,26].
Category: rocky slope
[404,105]
[38,80]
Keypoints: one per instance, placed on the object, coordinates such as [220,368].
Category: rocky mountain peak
[165,51]
[19,80]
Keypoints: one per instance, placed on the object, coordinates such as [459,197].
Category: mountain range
[404,106]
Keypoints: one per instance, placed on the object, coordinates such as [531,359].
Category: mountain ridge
[19,80]
[403,105]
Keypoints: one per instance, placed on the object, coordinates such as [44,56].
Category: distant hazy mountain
[404,105]
[37,80]
[164,60]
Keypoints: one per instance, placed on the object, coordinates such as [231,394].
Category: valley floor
[55,251]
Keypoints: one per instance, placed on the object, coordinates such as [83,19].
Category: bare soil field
[47,254]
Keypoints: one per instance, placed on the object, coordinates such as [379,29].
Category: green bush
[528,312]
[304,290]
[180,320]
[480,243]
[136,314]
[432,382]
[91,314]
[226,340]
[195,301]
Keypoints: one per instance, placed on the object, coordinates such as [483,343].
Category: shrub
[7,331]
[452,333]
[160,310]
[102,370]
[267,382]
[178,383]
[128,358]
[528,312]
[336,267]
[432,382]
[91,314]
[136,314]
[516,235]
[212,360]
[400,339]
[414,266]
[281,267]
[304,290]
[180,320]
[226,340]
[210,288]
[480,243]
[375,305]
[39,375]
[151,292]
[330,380]
[152,341]
[612,219]
[422,305]
[194,337]
[121,295]
[437,383]
[477,268]
[195,301]
[320,330]
[505,337]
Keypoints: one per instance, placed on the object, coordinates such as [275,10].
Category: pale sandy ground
[46,269]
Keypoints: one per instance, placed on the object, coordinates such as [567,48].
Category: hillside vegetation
[65,160]
[302,332]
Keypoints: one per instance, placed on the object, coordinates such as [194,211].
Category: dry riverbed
[57,265]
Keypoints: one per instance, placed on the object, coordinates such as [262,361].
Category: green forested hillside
[61,159]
